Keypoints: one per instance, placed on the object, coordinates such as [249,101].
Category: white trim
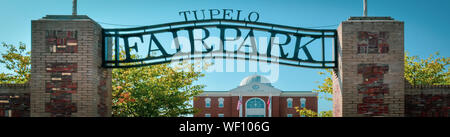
[302,102]
[240,107]
[207,101]
[221,101]
[287,103]
[257,109]
[270,105]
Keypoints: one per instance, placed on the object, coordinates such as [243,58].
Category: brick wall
[279,106]
[311,103]
[373,89]
[337,94]
[369,81]
[14,100]
[214,110]
[67,79]
[427,101]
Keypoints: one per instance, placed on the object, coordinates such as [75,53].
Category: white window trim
[287,103]
[207,115]
[221,115]
[221,101]
[207,102]
[253,110]
[302,102]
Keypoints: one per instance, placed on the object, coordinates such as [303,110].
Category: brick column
[67,79]
[370,77]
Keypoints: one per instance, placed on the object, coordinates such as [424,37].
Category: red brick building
[255,92]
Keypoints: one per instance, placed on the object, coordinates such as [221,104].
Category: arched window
[255,103]
[289,102]
[221,102]
[255,107]
[303,102]
[207,102]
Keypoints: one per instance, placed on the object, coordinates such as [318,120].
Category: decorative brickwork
[427,101]
[14,105]
[60,105]
[61,76]
[61,89]
[427,105]
[373,89]
[62,67]
[373,43]
[14,100]
[62,41]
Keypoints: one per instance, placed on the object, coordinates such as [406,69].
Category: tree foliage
[309,113]
[433,70]
[155,91]
[17,60]
[327,86]
[327,89]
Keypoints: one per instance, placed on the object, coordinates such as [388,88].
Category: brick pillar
[67,79]
[370,77]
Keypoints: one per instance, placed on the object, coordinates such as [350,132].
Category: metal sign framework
[274,29]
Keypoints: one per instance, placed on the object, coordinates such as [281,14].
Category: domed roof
[255,79]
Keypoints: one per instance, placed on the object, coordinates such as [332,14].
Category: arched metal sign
[211,38]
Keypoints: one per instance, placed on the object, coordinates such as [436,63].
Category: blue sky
[426,25]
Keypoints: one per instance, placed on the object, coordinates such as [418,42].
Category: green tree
[433,70]
[327,86]
[327,89]
[155,91]
[17,60]
[309,113]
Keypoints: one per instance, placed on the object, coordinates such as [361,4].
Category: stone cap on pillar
[371,18]
[65,17]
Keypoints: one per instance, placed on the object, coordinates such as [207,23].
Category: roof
[255,79]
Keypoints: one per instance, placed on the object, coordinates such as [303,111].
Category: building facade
[254,97]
